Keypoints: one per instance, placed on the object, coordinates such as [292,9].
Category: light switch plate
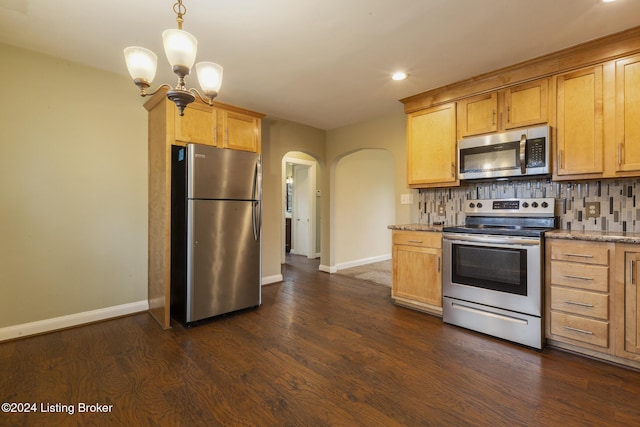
[592,209]
[406,199]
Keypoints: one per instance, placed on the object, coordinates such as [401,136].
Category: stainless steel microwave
[521,152]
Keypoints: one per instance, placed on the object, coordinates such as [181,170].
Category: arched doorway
[363,195]
[300,205]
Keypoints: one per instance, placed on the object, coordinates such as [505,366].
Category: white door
[301,212]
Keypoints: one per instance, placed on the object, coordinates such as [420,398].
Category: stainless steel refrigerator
[216,213]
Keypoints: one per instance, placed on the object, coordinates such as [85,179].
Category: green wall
[73,189]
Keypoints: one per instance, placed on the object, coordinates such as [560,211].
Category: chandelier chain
[179,10]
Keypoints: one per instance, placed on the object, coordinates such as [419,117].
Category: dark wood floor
[322,350]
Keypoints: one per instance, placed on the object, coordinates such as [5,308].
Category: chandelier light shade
[181,48]
[210,77]
[141,63]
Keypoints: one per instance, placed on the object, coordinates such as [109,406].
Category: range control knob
[479,205]
[545,204]
[534,204]
[525,205]
[472,205]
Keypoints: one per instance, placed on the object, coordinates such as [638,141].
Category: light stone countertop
[594,236]
[416,227]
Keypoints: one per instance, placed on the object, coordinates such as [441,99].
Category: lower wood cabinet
[628,297]
[578,297]
[592,299]
[417,270]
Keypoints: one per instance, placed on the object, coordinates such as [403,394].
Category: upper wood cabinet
[198,125]
[431,147]
[526,104]
[626,145]
[579,122]
[598,121]
[222,126]
[517,106]
[240,130]
[478,114]
[588,94]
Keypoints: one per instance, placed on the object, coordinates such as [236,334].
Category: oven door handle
[496,240]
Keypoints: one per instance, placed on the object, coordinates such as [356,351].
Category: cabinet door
[417,274]
[627,140]
[479,114]
[526,104]
[631,303]
[579,122]
[241,132]
[197,125]
[431,147]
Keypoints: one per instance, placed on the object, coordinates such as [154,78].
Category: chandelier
[180,48]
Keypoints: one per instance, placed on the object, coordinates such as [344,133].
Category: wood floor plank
[322,350]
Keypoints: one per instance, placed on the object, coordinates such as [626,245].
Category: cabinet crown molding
[600,50]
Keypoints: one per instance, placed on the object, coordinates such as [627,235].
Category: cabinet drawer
[581,276]
[580,302]
[425,239]
[582,252]
[581,329]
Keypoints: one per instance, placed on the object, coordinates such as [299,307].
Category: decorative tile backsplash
[618,209]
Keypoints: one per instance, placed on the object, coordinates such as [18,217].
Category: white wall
[364,205]
[73,189]
[384,133]
[280,137]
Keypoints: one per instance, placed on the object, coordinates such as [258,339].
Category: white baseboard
[63,322]
[327,268]
[363,261]
[267,280]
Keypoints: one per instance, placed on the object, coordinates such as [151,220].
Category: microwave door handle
[523,149]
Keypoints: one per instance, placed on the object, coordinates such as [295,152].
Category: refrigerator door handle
[257,195]
[257,219]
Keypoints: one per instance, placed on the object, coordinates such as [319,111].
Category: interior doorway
[300,218]
[301,212]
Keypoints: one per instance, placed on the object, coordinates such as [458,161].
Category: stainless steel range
[493,268]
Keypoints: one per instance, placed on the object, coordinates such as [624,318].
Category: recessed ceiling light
[607,1]
[399,75]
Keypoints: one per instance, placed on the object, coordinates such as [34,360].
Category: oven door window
[495,268]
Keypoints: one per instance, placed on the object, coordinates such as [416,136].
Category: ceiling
[321,63]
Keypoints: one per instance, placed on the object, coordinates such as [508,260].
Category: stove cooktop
[508,217]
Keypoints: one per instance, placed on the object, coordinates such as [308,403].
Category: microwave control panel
[536,153]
